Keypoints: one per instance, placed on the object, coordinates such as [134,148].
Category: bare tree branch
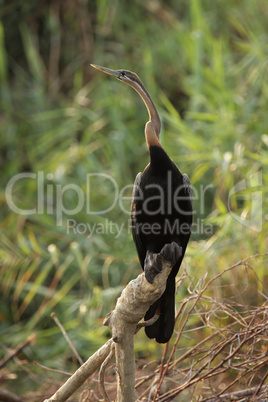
[81,375]
[238,344]
[130,308]
[123,321]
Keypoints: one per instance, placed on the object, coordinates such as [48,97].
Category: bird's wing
[134,226]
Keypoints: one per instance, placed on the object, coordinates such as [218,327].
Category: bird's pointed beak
[113,73]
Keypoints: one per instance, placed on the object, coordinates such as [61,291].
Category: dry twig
[232,353]
[68,340]
[30,340]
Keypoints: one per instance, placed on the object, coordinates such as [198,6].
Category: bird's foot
[153,261]
[152,266]
[171,252]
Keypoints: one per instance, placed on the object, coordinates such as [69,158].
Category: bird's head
[131,79]
[128,77]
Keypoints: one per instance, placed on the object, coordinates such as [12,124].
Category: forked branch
[123,321]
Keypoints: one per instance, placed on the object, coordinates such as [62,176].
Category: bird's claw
[152,266]
[153,262]
[171,252]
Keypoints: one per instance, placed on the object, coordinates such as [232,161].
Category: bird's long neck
[153,126]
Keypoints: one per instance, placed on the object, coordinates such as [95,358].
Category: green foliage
[205,65]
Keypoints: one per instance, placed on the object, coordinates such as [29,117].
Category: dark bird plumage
[161,213]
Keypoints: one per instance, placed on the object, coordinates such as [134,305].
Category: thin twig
[64,333]
[51,369]
[238,394]
[30,340]
[102,374]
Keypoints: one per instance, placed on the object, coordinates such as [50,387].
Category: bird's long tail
[163,328]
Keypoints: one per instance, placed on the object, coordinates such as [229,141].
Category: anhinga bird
[161,213]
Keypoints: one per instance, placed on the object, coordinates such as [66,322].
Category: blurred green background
[205,65]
